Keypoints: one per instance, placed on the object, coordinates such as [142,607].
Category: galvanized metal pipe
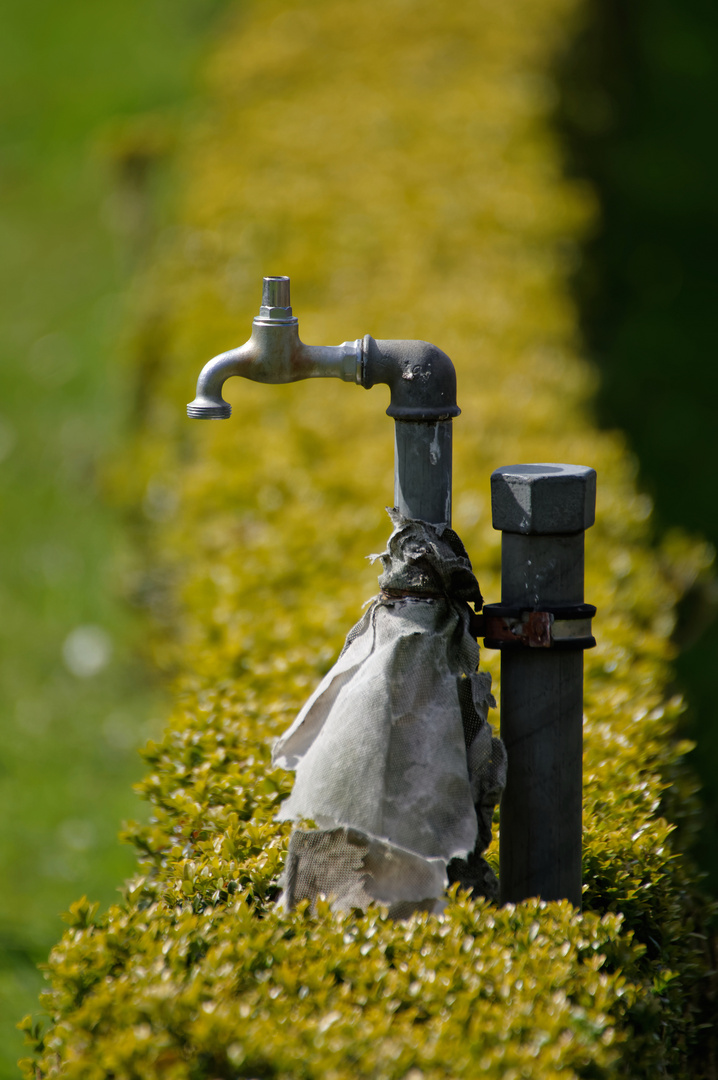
[542,511]
[422,470]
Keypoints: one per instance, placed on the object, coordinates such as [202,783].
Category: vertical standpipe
[422,470]
[542,511]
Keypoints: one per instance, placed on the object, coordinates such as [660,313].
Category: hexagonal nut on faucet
[543,499]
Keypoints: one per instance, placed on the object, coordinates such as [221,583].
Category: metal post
[422,470]
[542,511]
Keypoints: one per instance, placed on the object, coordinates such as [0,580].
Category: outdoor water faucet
[273,354]
[420,376]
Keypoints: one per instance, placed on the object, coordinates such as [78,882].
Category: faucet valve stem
[276,304]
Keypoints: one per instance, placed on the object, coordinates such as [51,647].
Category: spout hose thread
[209,410]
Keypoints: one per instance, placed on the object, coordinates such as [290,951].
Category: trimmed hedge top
[396,160]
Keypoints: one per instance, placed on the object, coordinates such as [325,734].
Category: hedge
[397,160]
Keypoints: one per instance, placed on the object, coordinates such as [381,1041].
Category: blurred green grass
[76,207]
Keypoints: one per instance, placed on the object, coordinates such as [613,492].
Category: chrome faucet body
[421,379]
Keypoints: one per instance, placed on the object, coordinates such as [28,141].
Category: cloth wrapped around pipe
[395,760]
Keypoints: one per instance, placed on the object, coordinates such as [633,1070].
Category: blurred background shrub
[403,165]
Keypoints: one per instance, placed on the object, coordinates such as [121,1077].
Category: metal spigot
[273,354]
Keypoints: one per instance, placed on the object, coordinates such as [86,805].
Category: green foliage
[223,993]
[398,162]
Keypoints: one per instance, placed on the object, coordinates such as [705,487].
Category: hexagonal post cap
[543,499]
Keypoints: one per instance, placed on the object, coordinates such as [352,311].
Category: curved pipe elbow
[421,378]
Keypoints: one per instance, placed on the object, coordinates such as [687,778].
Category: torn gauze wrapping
[394,757]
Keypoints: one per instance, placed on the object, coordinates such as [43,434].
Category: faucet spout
[209,403]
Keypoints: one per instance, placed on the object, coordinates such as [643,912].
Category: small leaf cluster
[398,162]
